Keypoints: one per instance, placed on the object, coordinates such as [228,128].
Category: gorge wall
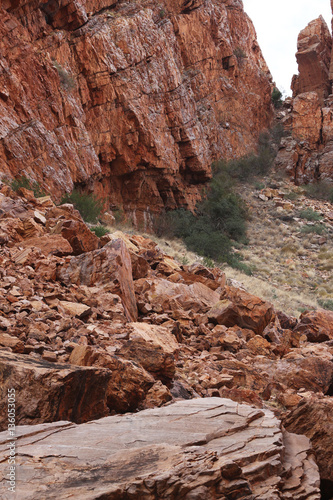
[307,152]
[131,100]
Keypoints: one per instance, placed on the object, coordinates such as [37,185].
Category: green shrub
[207,262]
[250,166]
[322,190]
[119,215]
[236,262]
[326,304]
[310,214]
[316,228]
[99,231]
[24,182]
[277,132]
[277,98]
[88,205]
[218,222]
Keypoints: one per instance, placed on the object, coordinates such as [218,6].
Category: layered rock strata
[306,154]
[130,100]
[203,448]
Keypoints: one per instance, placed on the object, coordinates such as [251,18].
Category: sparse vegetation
[66,79]
[218,221]
[292,195]
[277,98]
[316,228]
[326,304]
[100,230]
[88,205]
[240,54]
[322,190]
[119,215]
[250,166]
[310,214]
[24,182]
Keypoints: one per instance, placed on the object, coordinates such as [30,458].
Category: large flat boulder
[196,449]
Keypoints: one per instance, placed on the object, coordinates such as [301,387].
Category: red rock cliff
[307,155]
[133,100]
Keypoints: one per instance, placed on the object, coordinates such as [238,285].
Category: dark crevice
[330,391]
[326,489]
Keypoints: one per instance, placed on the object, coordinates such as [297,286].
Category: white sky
[277,25]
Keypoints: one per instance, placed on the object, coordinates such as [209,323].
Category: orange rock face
[130,100]
[313,56]
[307,154]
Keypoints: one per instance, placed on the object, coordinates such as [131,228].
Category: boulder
[160,295]
[153,347]
[242,309]
[79,236]
[314,417]
[127,383]
[74,309]
[316,325]
[150,356]
[15,344]
[157,396]
[48,392]
[196,449]
[51,244]
[110,266]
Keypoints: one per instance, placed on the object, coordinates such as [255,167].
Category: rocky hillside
[93,327]
[131,100]
[290,249]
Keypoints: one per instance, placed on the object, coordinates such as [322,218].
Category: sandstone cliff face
[131,100]
[313,56]
[307,154]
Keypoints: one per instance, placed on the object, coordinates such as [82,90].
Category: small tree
[88,205]
[276,98]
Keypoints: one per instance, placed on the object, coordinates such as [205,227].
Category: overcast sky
[277,25]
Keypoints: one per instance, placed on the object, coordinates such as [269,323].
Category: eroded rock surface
[306,154]
[202,448]
[313,56]
[314,418]
[133,100]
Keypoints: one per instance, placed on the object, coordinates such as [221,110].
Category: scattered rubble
[88,336]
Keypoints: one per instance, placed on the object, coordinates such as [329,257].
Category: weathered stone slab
[196,449]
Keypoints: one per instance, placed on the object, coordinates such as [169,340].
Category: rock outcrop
[314,46]
[307,153]
[131,100]
[314,418]
[198,449]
